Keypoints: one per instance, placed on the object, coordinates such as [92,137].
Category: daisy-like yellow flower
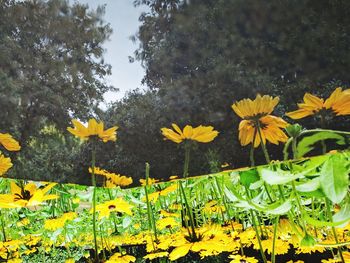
[150,181]
[167,222]
[117,205]
[121,258]
[113,179]
[56,223]
[26,196]
[5,164]
[94,129]
[201,133]
[9,142]
[238,259]
[151,256]
[338,102]
[256,114]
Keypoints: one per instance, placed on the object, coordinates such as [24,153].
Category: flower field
[295,210]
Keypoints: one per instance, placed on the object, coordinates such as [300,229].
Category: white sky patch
[123,18]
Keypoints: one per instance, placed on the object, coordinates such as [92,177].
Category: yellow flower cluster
[56,223]
[112,179]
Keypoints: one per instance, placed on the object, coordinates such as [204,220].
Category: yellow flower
[151,256]
[120,258]
[25,221]
[201,133]
[94,129]
[69,260]
[238,259]
[256,115]
[117,205]
[338,102]
[56,223]
[167,222]
[113,180]
[5,164]
[9,143]
[150,181]
[26,196]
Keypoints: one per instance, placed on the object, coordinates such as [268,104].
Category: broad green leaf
[317,193]
[343,214]
[334,178]
[230,195]
[280,210]
[319,223]
[249,177]
[306,144]
[126,222]
[256,185]
[309,186]
[278,177]
[307,241]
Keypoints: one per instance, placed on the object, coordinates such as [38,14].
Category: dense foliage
[201,56]
[51,68]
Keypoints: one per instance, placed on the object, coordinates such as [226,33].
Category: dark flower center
[25,195]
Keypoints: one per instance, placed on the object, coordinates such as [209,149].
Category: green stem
[263,147]
[285,149]
[251,153]
[329,212]
[3,226]
[258,237]
[299,206]
[93,163]
[151,223]
[189,211]
[187,159]
[273,256]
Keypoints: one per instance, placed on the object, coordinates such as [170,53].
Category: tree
[51,65]
[201,56]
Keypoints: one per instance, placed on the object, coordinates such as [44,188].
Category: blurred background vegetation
[199,57]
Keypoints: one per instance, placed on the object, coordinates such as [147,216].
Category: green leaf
[309,186]
[256,185]
[306,144]
[280,210]
[343,214]
[278,177]
[334,178]
[231,196]
[319,223]
[249,177]
[307,241]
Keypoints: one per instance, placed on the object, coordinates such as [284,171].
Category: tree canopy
[51,66]
[201,56]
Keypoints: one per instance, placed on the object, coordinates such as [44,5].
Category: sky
[123,18]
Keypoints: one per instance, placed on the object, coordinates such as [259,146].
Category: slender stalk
[285,149]
[93,163]
[273,256]
[151,223]
[3,226]
[329,212]
[187,159]
[263,147]
[251,153]
[258,236]
[189,211]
